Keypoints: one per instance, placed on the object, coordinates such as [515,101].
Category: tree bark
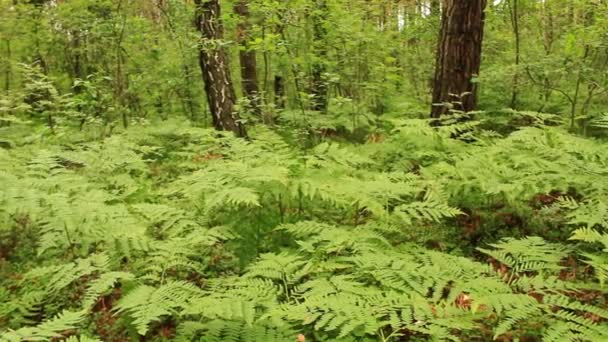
[247,57]
[458,56]
[215,68]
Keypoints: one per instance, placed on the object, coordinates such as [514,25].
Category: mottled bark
[458,56]
[214,65]
[247,57]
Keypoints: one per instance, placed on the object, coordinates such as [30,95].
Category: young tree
[215,68]
[247,57]
[458,56]
[514,14]
[319,85]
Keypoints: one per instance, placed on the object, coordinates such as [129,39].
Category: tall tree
[319,85]
[247,57]
[514,13]
[215,68]
[458,56]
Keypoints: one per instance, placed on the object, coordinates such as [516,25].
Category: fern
[227,330]
[525,255]
[146,304]
[82,338]
[58,277]
[155,223]
[599,261]
[101,285]
[426,211]
[47,330]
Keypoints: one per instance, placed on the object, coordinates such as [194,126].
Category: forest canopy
[303,170]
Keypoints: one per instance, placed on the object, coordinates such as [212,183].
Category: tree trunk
[319,86]
[514,11]
[247,57]
[548,38]
[279,92]
[120,77]
[458,56]
[7,70]
[215,68]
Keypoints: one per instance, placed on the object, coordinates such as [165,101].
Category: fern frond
[47,330]
[147,304]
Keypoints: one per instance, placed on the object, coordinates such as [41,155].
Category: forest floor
[400,231]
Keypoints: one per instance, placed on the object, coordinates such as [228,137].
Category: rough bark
[458,56]
[213,61]
[247,57]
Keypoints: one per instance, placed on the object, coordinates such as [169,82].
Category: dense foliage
[174,231]
[125,217]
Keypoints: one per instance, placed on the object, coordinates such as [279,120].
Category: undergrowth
[418,232]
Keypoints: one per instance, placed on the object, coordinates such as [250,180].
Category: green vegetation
[317,200]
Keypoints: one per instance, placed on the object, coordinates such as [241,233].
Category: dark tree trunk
[279,92]
[319,85]
[215,68]
[458,56]
[7,70]
[247,57]
[77,60]
[78,69]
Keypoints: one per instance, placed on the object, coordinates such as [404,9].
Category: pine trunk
[458,56]
[215,68]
